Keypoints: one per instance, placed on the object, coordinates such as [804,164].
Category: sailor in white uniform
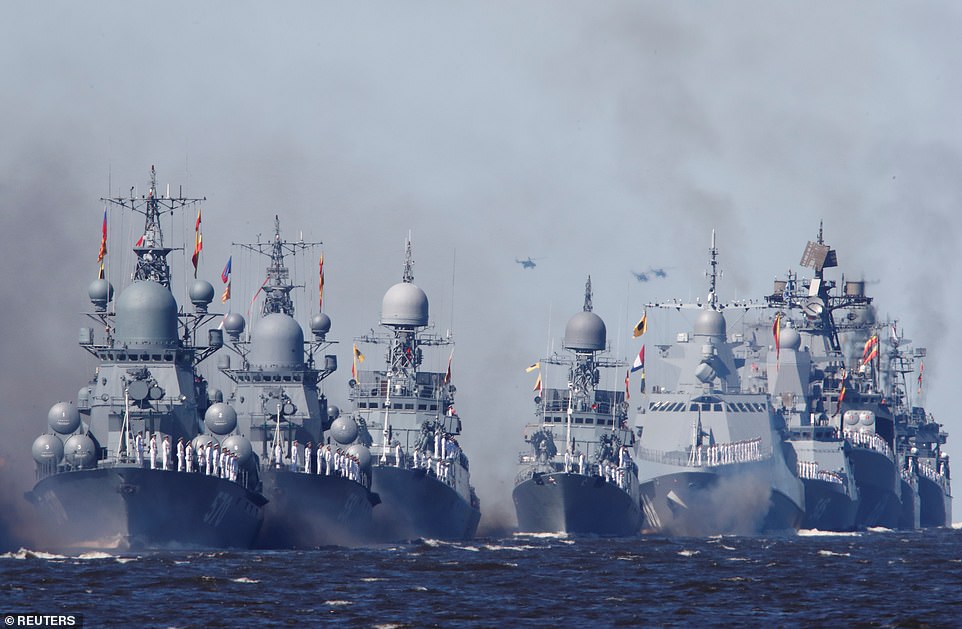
[152,451]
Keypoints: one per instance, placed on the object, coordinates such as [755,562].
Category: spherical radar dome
[47,449]
[146,316]
[710,323]
[789,338]
[220,418]
[240,447]
[63,418]
[344,430]
[585,331]
[404,304]
[234,323]
[277,342]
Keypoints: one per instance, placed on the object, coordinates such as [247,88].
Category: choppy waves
[813,578]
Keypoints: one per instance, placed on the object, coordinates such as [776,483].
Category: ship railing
[714,455]
[335,464]
[623,477]
[930,473]
[811,471]
[445,469]
[868,440]
[236,475]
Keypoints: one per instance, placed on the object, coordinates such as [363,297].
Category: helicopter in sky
[652,272]
[526,264]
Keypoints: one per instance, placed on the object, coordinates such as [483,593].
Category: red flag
[103,240]
[921,371]
[537,384]
[226,295]
[627,383]
[447,375]
[320,287]
[198,243]
[869,344]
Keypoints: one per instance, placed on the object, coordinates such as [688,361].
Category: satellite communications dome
[710,323]
[585,332]
[404,304]
[277,343]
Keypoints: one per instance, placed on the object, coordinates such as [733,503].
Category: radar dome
[789,338]
[234,323]
[63,418]
[333,412]
[585,331]
[146,316]
[363,455]
[201,293]
[220,418]
[710,323]
[47,449]
[79,451]
[100,292]
[278,342]
[344,430]
[240,447]
[404,304]
[202,440]
[320,324]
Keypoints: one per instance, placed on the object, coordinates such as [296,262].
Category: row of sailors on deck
[328,461]
[442,466]
[211,460]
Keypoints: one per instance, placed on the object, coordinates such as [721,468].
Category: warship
[406,417]
[919,437]
[590,484]
[711,451]
[845,404]
[822,454]
[107,474]
[318,491]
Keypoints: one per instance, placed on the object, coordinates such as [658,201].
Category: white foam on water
[818,533]
[94,555]
[829,553]
[26,553]
[688,553]
[338,603]
[879,529]
[245,580]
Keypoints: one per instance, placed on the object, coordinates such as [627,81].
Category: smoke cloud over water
[596,139]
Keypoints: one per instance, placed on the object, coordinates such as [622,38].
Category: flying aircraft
[652,272]
[526,264]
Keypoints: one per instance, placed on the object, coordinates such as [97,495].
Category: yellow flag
[537,365]
[642,326]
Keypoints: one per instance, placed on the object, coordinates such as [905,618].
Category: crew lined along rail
[929,472]
[869,440]
[810,470]
[327,462]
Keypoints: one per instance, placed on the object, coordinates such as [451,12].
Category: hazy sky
[596,137]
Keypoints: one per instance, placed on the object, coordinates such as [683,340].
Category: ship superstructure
[578,475]
[119,469]
[842,403]
[407,418]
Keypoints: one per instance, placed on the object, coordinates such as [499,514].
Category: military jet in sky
[526,264]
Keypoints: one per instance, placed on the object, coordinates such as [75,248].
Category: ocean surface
[880,577]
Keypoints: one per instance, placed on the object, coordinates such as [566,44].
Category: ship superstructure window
[717,408]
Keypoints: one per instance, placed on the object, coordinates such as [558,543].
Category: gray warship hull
[935,506]
[707,503]
[313,510]
[415,504]
[828,507]
[561,502]
[878,485]
[909,515]
[132,508]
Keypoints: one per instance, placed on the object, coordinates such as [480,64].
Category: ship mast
[151,253]
[277,289]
